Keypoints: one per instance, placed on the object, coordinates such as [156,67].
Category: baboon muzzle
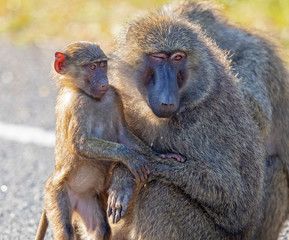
[163,91]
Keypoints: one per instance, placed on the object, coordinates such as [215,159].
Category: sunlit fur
[218,192]
[91,134]
[264,81]
[78,54]
[156,34]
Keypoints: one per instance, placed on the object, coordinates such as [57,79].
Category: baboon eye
[158,57]
[178,58]
[92,66]
[103,64]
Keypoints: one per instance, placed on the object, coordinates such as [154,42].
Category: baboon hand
[117,204]
[175,156]
[138,167]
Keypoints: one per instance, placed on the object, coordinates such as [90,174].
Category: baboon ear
[59,63]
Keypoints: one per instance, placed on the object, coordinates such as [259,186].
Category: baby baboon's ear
[59,63]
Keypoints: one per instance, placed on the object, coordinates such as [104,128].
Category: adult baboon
[263,77]
[264,81]
[180,96]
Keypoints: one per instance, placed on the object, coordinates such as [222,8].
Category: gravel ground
[284,235]
[27,97]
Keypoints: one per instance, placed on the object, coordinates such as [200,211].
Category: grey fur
[218,193]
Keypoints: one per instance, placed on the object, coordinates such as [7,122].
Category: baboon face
[83,65]
[161,55]
[95,82]
[164,76]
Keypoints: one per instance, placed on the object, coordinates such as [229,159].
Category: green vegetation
[30,21]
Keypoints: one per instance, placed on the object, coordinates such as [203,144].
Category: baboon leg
[92,212]
[58,211]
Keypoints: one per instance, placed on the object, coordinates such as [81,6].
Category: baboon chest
[103,124]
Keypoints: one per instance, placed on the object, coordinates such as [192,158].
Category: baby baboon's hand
[117,203]
[138,167]
[175,156]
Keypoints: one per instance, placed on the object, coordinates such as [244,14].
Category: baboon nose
[168,104]
[104,87]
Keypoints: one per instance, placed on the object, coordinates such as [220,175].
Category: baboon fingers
[112,215]
[124,205]
[117,212]
[144,173]
[111,203]
[175,156]
[137,175]
[178,157]
[147,169]
[109,210]
[141,174]
[117,205]
[117,215]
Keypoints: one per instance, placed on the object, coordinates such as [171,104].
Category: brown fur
[264,81]
[89,132]
[218,192]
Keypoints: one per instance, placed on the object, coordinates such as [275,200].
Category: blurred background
[30,32]
[37,21]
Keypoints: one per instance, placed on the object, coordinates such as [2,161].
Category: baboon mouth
[98,93]
[163,110]
[163,114]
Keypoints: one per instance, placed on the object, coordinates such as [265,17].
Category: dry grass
[32,21]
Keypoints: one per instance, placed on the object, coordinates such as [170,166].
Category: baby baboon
[264,81]
[90,128]
[90,135]
[180,95]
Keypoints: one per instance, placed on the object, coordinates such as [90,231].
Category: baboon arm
[120,192]
[224,193]
[95,148]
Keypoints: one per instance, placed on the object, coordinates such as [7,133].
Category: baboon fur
[91,137]
[218,193]
[264,81]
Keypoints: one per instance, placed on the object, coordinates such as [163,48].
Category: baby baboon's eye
[92,66]
[103,64]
